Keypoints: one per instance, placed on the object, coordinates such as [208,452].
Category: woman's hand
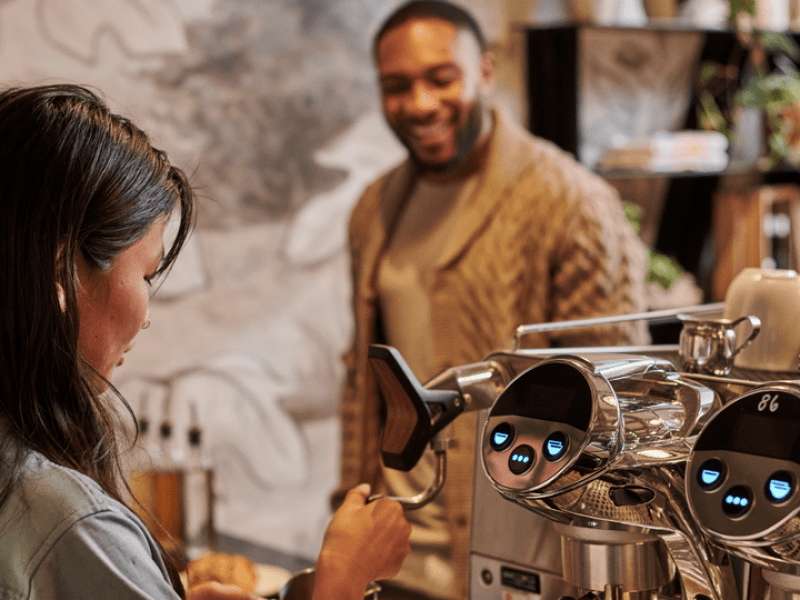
[213,590]
[363,542]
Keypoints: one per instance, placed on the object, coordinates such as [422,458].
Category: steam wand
[427,495]
[416,417]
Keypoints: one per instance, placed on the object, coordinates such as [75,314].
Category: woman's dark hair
[427,9]
[74,178]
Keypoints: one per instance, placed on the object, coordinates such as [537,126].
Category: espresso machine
[742,486]
[580,479]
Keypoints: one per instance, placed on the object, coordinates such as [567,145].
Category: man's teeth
[422,131]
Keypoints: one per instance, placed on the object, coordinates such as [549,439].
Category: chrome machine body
[598,445]
[581,474]
[742,485]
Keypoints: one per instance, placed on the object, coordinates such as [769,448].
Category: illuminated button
[779,487]
[737,501]
[555,446]
[521,459]
[502,436]
[711,474]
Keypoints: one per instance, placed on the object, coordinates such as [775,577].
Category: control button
[779,487]
[711,474]
[521,459]
[555,446]
[502,436]
[737,501]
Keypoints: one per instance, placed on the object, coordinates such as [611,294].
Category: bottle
[169,473]
[156,484]
[141,473]
[199,530]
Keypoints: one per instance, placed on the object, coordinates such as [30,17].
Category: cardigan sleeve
[600,270]
[597,265]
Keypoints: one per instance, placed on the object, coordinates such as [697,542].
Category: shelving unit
[679,207]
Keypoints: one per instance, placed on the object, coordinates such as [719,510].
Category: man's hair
[439,9]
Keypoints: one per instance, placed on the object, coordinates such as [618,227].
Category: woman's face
[115,304]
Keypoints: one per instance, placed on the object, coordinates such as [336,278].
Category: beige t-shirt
[428,222]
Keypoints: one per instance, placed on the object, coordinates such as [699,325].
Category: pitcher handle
[755,324]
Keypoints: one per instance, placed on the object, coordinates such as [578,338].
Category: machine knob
[502,436]
[737,501]
[521,459]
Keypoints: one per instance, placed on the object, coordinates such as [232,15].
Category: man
[482,229]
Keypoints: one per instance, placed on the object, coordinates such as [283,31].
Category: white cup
[772,295]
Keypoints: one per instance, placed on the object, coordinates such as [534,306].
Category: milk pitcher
[709,345]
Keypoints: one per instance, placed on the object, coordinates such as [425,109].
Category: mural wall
[271,107]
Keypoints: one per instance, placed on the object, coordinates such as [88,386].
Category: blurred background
[272,109]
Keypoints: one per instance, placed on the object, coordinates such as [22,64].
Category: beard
[465,142]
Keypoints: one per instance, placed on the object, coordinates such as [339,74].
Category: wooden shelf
[679,205]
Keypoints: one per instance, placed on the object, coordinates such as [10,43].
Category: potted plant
[762,75]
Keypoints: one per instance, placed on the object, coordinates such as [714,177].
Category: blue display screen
[780,486]
[521,458]
[737,500]
[709,476]
[500,438]
[779,489]
[554,447]
[734,500]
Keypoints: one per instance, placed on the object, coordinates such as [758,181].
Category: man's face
[432,75]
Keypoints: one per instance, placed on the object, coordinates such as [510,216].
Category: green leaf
[769,91]
[747,6]
[633,214]
[662,269]
[752,95]
[708,71]
[779,42]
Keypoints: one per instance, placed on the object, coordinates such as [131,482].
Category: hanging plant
[761,74]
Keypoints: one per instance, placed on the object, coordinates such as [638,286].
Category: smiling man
[483,228]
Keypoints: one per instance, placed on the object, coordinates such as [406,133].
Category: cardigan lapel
[391,198]
[506,146]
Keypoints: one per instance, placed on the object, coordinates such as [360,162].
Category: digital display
[779,489]
[520,580]
[737,501]
[709,476]
[556,392]
[521,459]
[500,438]
[780,486]
[764,435]
[555,446]
[552,402]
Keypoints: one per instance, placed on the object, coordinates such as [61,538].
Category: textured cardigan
[545,240]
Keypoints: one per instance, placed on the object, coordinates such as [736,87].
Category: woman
[83,202]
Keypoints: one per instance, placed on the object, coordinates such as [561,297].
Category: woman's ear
[62,297]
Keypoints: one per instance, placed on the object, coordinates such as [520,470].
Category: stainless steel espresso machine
[581,481]
[742,486]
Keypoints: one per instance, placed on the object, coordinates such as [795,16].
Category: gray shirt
[62,536]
